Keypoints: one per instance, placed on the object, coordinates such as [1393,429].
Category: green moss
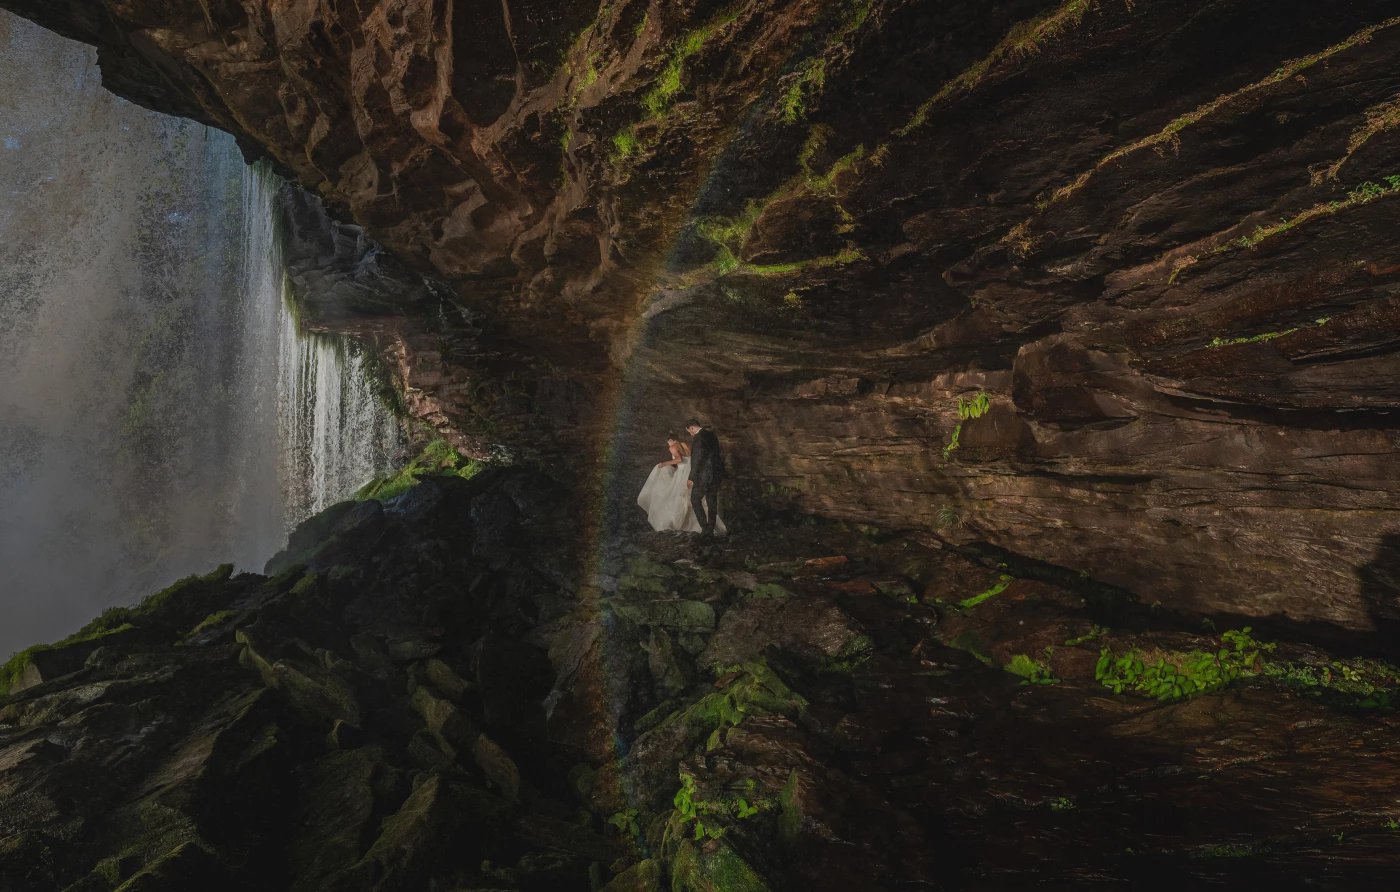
[305,584]
[811,73]
[755,691]
[438,457]
[1379,119]
[992,592]
[775,269]
[1024,39]
[720,870]
[728,234]
[110,622]
[1168,135]
[212,620]
[657,100]
[1361,195]
[852,655]
[625,143]
[825,184]
[725,261]
[1030,670]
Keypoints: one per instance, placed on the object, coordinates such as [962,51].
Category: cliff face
[1160,237]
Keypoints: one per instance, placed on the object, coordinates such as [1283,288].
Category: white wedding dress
[666,500]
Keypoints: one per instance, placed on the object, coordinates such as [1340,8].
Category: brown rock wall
[1161,236]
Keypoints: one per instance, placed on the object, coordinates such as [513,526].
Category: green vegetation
[1096,632]
[212,620]
[811,74]
[1379,119]
[438,457]
[690,809]
[1363,194]
[1261,338]
[1062,803]
[825,184]
[947,518]
[625,144]
[728,235]
[968,409]
[110,622]
[992,592]
[815,142]
[1024,39]
[626,823]
[811,78]
[851,656]
[1168,135]
[1181,676]
[1357,683]
[657,100]
[1031,671]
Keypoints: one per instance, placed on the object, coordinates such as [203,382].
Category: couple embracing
[681,493]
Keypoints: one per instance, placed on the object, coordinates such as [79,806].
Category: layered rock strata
[1158,236]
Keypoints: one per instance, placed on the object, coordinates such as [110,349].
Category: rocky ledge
[424,694]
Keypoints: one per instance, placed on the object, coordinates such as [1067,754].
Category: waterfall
[334,430]
[338,435]
[160,411]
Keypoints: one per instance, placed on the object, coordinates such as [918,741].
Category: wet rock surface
[427,695]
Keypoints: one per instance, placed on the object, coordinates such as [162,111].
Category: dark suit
[706,472]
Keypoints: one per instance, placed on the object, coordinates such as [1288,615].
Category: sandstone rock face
[1159,237]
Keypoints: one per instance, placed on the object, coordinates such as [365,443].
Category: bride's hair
[672,436]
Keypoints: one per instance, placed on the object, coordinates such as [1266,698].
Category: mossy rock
[649,584]
[438,458]
[26,860]
[721,870]
[754,691]
[339,811]
[407,842]
[186,867]
[768,590]
[497,765]
[686,616]
[640,566]
[852,655]
[166,609]
[645,876]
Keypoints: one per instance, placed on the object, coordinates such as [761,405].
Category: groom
[706,472]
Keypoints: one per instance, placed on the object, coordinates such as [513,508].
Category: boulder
[678,615]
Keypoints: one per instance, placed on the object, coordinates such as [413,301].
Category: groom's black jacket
[706,462]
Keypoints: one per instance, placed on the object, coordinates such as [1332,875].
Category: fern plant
[968,408]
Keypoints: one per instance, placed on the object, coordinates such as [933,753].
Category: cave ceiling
[1159,235]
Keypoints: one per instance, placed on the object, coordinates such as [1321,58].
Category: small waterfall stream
[160,412]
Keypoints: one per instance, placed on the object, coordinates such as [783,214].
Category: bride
[665,497]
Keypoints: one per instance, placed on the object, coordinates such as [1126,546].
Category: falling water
[159,411]
[333,427]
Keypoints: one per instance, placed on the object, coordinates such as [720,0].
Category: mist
[159,413]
